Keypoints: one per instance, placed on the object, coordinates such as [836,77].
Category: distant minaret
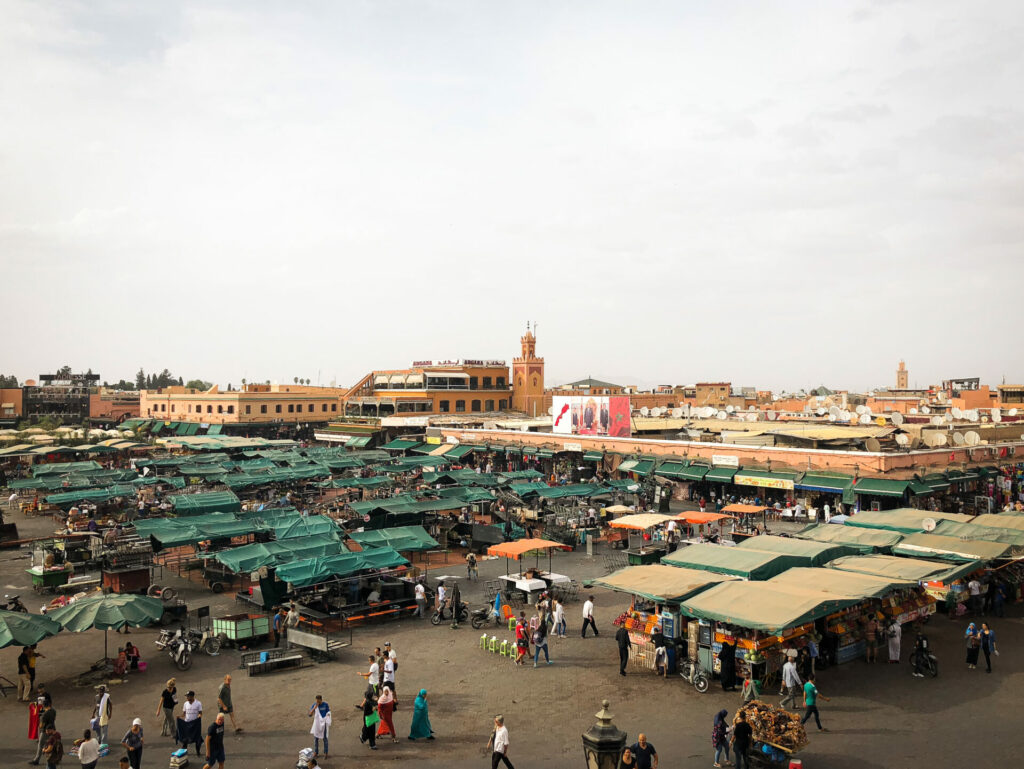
[528,377]
[902,375]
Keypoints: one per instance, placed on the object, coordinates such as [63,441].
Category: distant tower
[528,377]
[901,376]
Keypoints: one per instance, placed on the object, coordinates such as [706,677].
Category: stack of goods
[304,756]
[774,726]
[179,758]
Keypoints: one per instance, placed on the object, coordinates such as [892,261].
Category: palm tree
[295,379]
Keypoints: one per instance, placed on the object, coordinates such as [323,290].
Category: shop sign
[572,446]
[433,439]
[723,460]
[766,483]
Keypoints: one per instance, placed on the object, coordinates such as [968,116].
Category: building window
[475,406]
[535,381]
[172,408]
[520,382]
[323,407]
[291,408]
[442,407]
[487,383]
[277,408]
[502,405]
[460,405]
[472,383]
[209,409]
[231,409]
[248,409]
[490,405]
[310,407]
[263,408]
[334,407]
[500,383]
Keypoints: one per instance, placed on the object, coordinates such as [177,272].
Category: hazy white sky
[777,194]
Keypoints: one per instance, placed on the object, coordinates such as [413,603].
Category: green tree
[198,384]
[140,380]
[8,380]
[64,372]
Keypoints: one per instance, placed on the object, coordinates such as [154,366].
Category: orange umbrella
[698,517]
[516,550]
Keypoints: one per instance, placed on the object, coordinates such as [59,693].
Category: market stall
[937,577]
[816,553]
[905,520]
[751,520]
[646,545]
[858,539]
[740,562]
[534,580]
[950,548]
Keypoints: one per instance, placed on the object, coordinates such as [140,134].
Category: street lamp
[603,742]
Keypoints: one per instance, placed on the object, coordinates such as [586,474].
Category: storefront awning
[720,474]
[880,487]
[638,466]
[830,484]
[763,605]
[458,452]
[357,441]
[593,456]
[399,445]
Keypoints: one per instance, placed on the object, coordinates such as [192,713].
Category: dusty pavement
[879,715]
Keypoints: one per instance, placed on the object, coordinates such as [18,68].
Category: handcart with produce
[778,735]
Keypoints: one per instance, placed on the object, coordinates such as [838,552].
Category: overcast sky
[777,194]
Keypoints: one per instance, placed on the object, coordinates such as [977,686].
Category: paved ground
[879,715]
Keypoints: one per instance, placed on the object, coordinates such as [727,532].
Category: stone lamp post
[603,742]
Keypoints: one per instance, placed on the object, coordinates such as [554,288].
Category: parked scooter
[439,614]
[177,646]
[483,615]
[204,641]
[13,603]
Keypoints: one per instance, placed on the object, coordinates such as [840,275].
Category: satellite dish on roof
[820,412]
[947,418]
[929,439]
[1012,412]
[752,416]
[860,410]
[902,439]
[772,416]
[729,409]
[997,415]
[644,411]
[656,412]
[867,410]
[721,415]
[940,439]
[928,524]
[925,410]
[972,438]
[832,417]
[551,411]
[973,415]
[845,416]
[913,410]
[897,418]
[835,411]
[958,438]
[872,444]
[677,412]
[957,413]
[865,419]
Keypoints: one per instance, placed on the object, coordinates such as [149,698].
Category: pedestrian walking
[498,744]
[623,642]
[792,683]
[920,653]
[974,593]
[421,727]
[372,676]
[472,571]
[750,690]
[727,658]
[370,718]
[811,695]
[421,601]
[456,604]
[215,743]
[320,712]
[47,720]
[385,709]
[189,728]
[973,640]
[165,707]
[53,751]
[588,617]
[628,760]
[894,632]
[871,638]
[720,737]
[224,702]
[133,742]
[24,676]
[742,735]
[988,645]
[88,750]
[646,755]
[33,656]
[279,619]
[558,611]
[540,642]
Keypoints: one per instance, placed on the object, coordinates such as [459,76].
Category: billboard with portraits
[591,415]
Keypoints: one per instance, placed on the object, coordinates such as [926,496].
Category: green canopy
[144,527]
[881,487]
[212,501]
[62,468]
[186,532]
[970,531]
[373,482]
[740,562]
[827,482]
[247,558]
[861,540]
[593,456]
[465,494]
[106,612]
[528,487]
[845,584]
[20,629]
[68,498]
[763,605]
[313,571]
[951,548]
[916,569]
[905,519]
[520,475]
[816,553]
[399,445]
[721,474]
[400,538]
[301,526]
[571,490]
[661,583]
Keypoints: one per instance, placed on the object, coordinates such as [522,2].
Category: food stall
[657,591]
[739,562]
[646,545]
[751,520]
[938,578]
[705,523]
[863,541]
[905,520]
[816,553]
[529,582]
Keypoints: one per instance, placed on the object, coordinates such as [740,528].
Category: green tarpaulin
[63,468]
[661,583]
[951,548]
[898,567]
[400,538]
[740,562]
[187,533]
[593,456]
[816,553]
[304,526]
[571,490]
[399,445]
[521,475]
[834,484]
[880,487]
[374,482]
[720,474]
[861,540]
[762,605]
[209,502]
[970,531]
[904,520]
[247,558]
[313,571]
[458,452]
[845,584]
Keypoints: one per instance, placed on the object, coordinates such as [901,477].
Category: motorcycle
[693,673]
[178,647]
[483,615]
[438,616]
[13,603]
[204,641]
[929,666]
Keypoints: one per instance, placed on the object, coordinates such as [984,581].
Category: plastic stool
[503,649]
[483,641]
[492,645]
[796,763]
[511,624]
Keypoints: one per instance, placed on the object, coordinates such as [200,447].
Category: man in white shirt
[974,588]
[192,730]
[441,595]
[292,620]
[588,617]
[791,681]
[373,676]
[421,601]
[499,744]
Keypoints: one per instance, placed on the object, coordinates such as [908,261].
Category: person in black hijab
[727,657]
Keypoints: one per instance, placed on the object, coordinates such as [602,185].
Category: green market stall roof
[313,571]
[898,567]
[208,502]
[951,548]
[816,553]
[834,484]
[305,526]
[970,531]
[740,562]
[400,538]
[661,583]
[905,520]
[248,558]
[571,490]
[762,605]
[845,584]
[861,540]
[63,468]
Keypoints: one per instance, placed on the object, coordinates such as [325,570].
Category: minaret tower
[528,377]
